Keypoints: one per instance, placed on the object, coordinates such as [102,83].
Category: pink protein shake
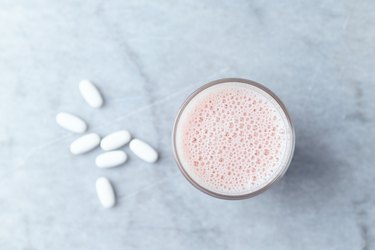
[233,138]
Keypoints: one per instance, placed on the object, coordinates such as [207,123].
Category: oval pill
[115,140]
[85,143]
[111,159]
[105,192]
[71,122]
[143,150]
[91,94]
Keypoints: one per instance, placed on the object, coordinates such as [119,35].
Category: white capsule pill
[71,122]
[91,94]
[105,192]
[143,150]
[111,159]
[115,140]
[85,143]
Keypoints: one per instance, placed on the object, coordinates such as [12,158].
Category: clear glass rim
[218,195]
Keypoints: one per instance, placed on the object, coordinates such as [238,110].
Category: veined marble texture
[147,57]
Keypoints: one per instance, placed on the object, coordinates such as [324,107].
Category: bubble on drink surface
[234,140]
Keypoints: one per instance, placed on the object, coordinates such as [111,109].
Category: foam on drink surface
[233,138]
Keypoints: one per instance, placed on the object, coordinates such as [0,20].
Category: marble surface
[147,56]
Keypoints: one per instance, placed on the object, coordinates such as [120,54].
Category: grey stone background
[146,57]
